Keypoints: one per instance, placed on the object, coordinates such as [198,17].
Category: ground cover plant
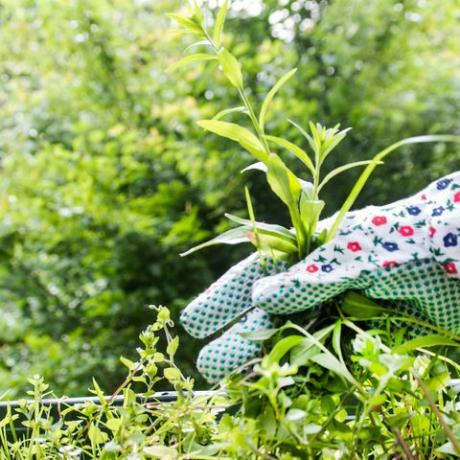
[327,388]
[104,180]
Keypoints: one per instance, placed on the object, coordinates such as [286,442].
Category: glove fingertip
[222,356]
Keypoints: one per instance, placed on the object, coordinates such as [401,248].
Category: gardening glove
[407,251]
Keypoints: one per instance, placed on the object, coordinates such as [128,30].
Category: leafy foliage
[105,177]
[301,197]
[339,392]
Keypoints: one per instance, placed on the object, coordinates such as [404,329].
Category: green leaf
[358,306]
[336,339]
[238,134]
[288,188]
[283,346]
[342,169]
[160,451]
[331,363]
[234,236]
[259,336]
[425,342]
[226,112]
[219,25]
[295,415]
[127,362]
[278,230]
[187,23]
[310,212]
[231,68]
[199,57]
[172,374]
[297,151]
[302,353]
[196,44]
[448,449]
[172,347]
[304,134]
[259,166]
[270,243]
[253,235]
[96,435]
[363,178]
[331,143]
[114,424]
[272,93]
[282,181]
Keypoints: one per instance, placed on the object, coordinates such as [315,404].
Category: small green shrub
[340,392]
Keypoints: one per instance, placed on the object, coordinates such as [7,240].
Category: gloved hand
[407,251]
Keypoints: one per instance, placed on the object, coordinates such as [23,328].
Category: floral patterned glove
[408,251]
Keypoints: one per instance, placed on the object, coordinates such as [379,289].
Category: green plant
[301,197]
[339,391]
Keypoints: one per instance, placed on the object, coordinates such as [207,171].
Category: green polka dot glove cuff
[408,251]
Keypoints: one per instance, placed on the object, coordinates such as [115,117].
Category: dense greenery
[105,177]
[340,393]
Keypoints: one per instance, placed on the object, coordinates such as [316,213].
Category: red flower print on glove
[406,230]
[312,268]
[450,268]
[457,197]
[379,220]
[354,246]
[389,263]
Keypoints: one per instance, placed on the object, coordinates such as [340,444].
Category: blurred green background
[105,177]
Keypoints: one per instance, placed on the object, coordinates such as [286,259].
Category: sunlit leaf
[226,112]
[272,93]
[231,68]
[199,57]
[342,169]
[188,23]
[234,236]
[425,342]
[238,134]
[259,166]
[297,151]
[219,25]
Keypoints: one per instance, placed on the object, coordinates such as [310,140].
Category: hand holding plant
[366,254]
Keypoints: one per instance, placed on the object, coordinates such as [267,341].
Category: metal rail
[160,397]
[56,405]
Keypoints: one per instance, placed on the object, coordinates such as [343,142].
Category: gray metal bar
[162,397]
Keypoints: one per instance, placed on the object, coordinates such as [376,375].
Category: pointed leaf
[238,134]
[234,236]
[262,226]
[297,151]
[304,134]
[259,166]
[219,25]
[342,169]
[425,342]
[358,306]
[282,181]
[188,23]
[226,112]
[331,363]
[271,95]
[191,59]
[310,212]
[231,68]
[196,44]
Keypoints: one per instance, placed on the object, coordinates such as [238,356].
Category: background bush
[105,177]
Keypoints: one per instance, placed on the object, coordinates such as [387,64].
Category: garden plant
[353,380]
